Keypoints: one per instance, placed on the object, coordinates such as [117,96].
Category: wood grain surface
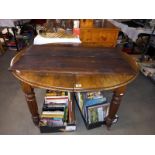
[74,60]
[74,68]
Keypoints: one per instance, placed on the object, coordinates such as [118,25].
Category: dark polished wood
[114,105]
[50,66]
[31,101]
[76,60]
[73,68]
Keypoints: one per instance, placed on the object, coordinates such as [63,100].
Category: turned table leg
[114,105]
[71,108]
[31,101]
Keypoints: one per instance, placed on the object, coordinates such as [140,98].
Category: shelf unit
[56,113]
[16,38]
[100,108]
[9,38]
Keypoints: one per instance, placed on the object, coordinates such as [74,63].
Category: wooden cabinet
[86,23]
[100,36]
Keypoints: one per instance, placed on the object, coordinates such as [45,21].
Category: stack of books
[94,108]
[55,111]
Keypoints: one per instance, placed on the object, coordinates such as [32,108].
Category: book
[53,112]
[89,98]
[52,116]
[70,112]
[56,93]
[80,100]
[66,114]
[58,100]
[95,101]
[51,122]
[53,108]
[55,104]
[56,97]
[97,113]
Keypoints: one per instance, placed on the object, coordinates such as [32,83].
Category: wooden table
[73,68]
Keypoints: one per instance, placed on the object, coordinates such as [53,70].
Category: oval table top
[74,68]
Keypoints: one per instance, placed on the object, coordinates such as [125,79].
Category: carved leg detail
[114,105]
[31,102]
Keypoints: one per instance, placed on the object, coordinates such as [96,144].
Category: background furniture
[131,32]
[9,38]
[94,32]
[16,34]
[137,36]
[39,40]
[98,33]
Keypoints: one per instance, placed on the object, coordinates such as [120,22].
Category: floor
[136,113]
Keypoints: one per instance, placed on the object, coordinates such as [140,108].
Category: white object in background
[11,22]
[7,23]
[39,40]
[76,23]
[70,128]
[102,22]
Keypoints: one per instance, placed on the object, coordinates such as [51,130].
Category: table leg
[114,105]
[71,108]
[31,101]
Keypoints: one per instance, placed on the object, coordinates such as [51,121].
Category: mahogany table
[73,68]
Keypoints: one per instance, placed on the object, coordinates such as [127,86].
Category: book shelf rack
[55,113]
[66,126]
[90,126]
[103,106]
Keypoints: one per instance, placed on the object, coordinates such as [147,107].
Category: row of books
[93,106]
[55,109]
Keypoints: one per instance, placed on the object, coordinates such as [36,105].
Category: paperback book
[97,113]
